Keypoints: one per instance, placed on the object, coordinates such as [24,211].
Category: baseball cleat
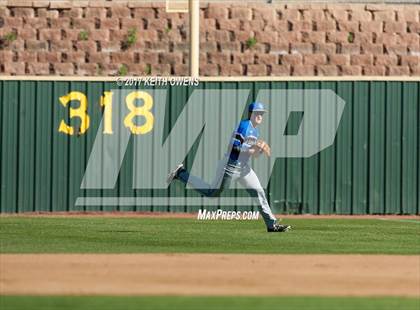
[174,173]
[279,228]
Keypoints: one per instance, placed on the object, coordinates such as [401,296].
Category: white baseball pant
[226,173]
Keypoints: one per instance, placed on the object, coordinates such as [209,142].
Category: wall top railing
[213,78]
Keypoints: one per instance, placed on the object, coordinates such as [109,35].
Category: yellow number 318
[106,103]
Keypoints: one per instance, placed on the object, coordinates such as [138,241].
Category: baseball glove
[263,147]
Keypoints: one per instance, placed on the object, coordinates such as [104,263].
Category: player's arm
[239,145]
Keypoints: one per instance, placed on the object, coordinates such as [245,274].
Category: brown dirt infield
[209,274]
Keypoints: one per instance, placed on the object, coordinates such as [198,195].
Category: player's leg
[205,189]
[221,181]
[253,186]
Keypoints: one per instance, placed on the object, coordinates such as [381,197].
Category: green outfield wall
[372,167]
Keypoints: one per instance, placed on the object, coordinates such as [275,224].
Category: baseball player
[234,167]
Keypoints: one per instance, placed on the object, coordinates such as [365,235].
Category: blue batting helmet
[256,107]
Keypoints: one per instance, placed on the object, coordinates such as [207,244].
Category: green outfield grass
[154,235]
[207,303]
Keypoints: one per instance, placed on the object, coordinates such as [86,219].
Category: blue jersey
[244,137]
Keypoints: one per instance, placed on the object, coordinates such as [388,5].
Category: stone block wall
[103,38]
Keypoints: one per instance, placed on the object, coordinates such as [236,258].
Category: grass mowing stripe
[406,221]
[153,235]
[205,303]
